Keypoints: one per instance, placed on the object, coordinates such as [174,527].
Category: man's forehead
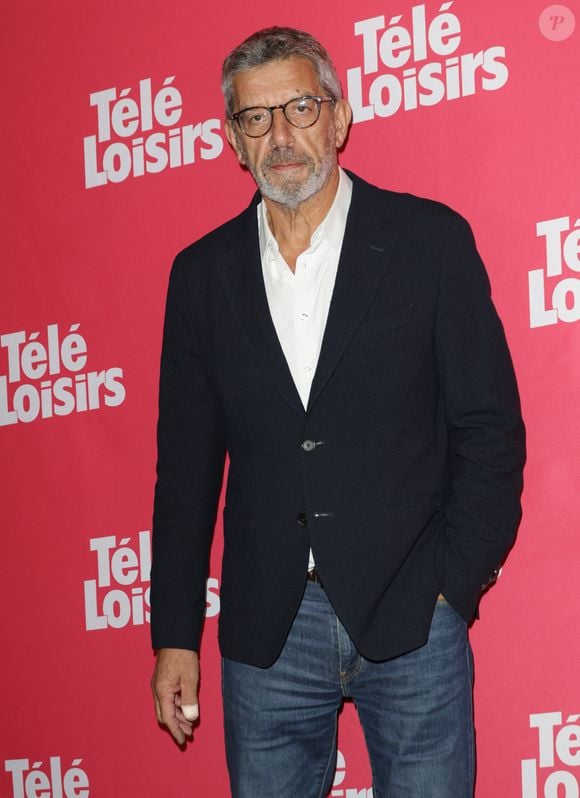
[275,81]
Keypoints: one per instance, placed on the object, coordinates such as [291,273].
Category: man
[338,341]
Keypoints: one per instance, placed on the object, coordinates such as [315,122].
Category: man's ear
[232,137]
[342,120]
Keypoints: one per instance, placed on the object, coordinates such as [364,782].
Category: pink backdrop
[113,159]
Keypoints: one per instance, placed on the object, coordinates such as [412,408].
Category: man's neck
[293,227]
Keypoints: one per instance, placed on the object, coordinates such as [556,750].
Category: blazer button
[302,520]
[308,446]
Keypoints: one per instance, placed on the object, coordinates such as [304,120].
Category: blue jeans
[415,710]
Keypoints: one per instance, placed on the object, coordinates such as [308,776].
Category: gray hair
[278,44]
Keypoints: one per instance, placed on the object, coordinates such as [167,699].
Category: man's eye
[256,117]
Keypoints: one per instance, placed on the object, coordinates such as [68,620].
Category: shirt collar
[331,228]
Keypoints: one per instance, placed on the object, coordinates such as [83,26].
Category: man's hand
[174,684]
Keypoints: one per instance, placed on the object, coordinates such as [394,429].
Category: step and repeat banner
[114,158]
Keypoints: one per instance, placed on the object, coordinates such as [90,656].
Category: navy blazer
[405,471]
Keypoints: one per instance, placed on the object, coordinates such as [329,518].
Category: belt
[313,576]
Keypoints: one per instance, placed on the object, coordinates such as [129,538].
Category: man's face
[289,164]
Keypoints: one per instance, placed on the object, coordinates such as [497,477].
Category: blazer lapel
[241,272]
[366,250]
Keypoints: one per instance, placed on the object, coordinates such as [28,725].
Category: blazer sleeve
[486,437]
[191,456]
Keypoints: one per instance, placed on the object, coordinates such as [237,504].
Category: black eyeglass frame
[282,106]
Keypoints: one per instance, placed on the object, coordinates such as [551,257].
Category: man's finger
[157,707]
[188,696]
[169,719]
[190,711]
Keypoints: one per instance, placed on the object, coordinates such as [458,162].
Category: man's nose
[281,131]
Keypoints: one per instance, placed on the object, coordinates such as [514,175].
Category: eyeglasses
[300,112]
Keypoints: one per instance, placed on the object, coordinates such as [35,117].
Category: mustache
[284,155]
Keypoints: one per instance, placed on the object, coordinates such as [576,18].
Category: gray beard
[292,193]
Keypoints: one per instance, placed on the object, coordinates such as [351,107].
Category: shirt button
[302,520]
[308,445]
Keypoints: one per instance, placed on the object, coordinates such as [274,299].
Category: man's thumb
[190,710]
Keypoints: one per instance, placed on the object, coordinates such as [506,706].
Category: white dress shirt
[299,300]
